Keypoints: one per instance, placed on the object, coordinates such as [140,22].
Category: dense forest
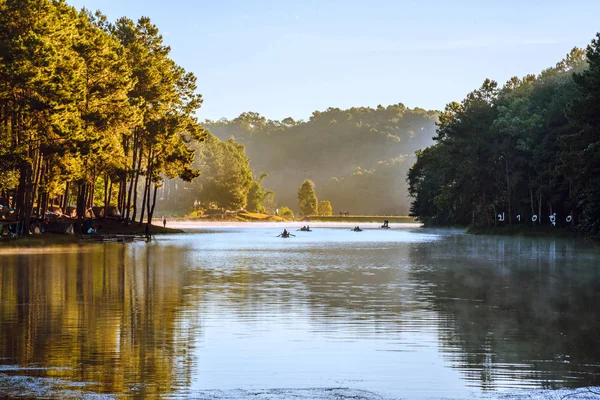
[92,113]
[355,157]
[524,153]
[96,118]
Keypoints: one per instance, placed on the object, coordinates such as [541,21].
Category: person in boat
[307,227]
[285,232]
[304,228]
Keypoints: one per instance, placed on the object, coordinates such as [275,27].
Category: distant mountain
[358,158]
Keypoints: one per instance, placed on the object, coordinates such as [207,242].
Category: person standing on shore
[164,221]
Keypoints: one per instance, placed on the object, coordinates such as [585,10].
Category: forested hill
[358,157]
[527,153]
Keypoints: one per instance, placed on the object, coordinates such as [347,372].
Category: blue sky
[288,58]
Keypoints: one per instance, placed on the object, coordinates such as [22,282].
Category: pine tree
[307,198]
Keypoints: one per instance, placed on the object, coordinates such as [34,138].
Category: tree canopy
[87,106]
[526,152]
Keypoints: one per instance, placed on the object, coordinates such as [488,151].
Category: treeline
[226,182]
[527,152]
[90,111]
[353,156]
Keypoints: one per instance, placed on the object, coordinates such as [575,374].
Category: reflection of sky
[335,308]
[290,351]
[281,334]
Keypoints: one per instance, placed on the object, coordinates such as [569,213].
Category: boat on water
[305,230]
[385,227]
[356,229]
[285,234]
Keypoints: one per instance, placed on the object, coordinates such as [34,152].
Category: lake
[234,311]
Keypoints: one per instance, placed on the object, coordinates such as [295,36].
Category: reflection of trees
[353,286]
[126,317]
[105,314]
[515,309]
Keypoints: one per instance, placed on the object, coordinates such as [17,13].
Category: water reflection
[515,309]
[104,315]
[405,313]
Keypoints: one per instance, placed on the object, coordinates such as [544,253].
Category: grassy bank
[232,217]
[45,239]
[256,217]
[118,228]
[361,218]
[108,227]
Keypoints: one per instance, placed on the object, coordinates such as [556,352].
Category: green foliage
[583,146]
[328,148]
[85,104]
[257,196]
[307,198]
[426,179]
[325,208]
[286,213]
[514,151]
[226,179]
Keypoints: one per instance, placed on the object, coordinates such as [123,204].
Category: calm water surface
[403,312]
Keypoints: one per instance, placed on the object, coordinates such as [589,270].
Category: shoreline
[543,231]
[177,226]
[52,238]
[195,224]
[253,218]
[182,225]
[529,231]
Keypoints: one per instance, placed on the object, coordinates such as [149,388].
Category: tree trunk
[121,197]
[20,204]
[36,182]
[81,205]
[92,192]
[487,215]
[29,198]
[148,199]
[65,203]
[146,192]
[540,208]
[133,165]
[106,195]
[153,205]
[135,186]
[508,193]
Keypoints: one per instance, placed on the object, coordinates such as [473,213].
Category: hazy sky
[288,58]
